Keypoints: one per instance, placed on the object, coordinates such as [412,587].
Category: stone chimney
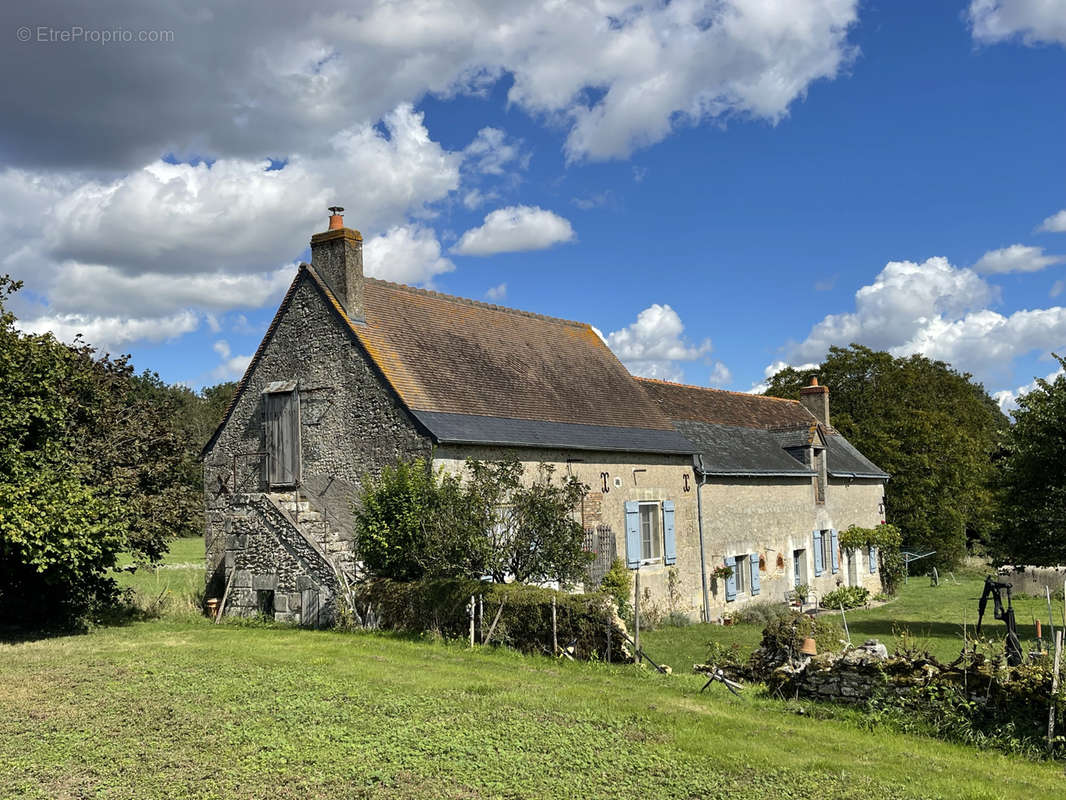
[337,257]
[815,399]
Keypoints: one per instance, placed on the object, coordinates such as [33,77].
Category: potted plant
[802,592]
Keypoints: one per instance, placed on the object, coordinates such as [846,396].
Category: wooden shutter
[632,534]
[819,567]
[281,423]
[834,552]
[731,581]
[753,561]
[669,540]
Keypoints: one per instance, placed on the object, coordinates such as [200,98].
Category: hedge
[440,606]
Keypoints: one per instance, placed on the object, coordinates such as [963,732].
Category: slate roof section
[471,429]
[449,355]
[745,434]
[844,461]
[739,451]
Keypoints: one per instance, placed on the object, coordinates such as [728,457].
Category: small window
[827,549]
[651,539]
[740,571]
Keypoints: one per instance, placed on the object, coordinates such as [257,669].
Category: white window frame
[657,537]
[742,574]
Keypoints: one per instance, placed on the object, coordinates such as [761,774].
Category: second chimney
[815,399]
[337,257]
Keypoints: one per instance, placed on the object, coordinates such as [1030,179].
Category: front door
[799,567]
[281,428]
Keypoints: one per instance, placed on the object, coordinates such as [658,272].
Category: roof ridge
[480,303]
[712,389]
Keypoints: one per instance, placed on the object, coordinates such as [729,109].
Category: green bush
[440,607]
[783,637]
[762,612]
[846,596]
[618,583]
[888,541]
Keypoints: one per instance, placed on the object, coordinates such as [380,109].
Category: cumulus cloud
[491,153]
[1016,258]
[774,368]
[939,311]
[109,334]
[618,75]
[515,229]
[231,367]
[720,375]
[497,293]
[405,254]
[654,345]
[1056,223]
[1057,287]
[1032,21]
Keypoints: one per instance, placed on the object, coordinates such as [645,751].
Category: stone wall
[351,423]
[629,476]
[269,558]
[775,517]
[1033,580]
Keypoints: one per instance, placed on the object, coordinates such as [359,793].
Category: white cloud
[110,334]
[515,229]
[1008,398]
[1016,258]
[1057,287]
[618,75]
[497,293]
[939,311]
[774,368]
[1056,223]
[1032,21]
[405,254]
[720,375]
[491,153]
[654,344]
[231,366]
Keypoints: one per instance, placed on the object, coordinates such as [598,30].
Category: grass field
[181,708]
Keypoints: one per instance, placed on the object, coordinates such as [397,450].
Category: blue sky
[717,190]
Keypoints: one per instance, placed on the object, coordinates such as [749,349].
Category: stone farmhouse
[354,374]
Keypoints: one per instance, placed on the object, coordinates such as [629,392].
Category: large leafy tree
[933,429]
[1032,477]
[90,466]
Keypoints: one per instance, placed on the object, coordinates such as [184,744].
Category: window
[827,548]
[740,572]
[650,538]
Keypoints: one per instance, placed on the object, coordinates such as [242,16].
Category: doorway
[799,567]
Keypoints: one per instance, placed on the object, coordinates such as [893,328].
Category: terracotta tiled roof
[700,404]
[450,355]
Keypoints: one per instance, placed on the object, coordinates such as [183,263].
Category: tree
[414,523]
[87,470]
[933,429]
[1032,477]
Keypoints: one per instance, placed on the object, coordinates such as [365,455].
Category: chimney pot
[336,221]
[815,399]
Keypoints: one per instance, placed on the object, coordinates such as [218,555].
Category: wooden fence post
[636,617]
[555,632]
[470,610]
[481,617]
[1054,690]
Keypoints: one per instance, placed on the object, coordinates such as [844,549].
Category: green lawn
[171,709]
[932,616]
[178,708]
[175,586]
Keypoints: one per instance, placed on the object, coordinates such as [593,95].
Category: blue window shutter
[834,552]
[731,581]
[873,559]
[753,560]
[632,534]
[670,549]
[819,567]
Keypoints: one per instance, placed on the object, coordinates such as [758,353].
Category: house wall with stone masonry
[775,517]
[643,477]
[351,423]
